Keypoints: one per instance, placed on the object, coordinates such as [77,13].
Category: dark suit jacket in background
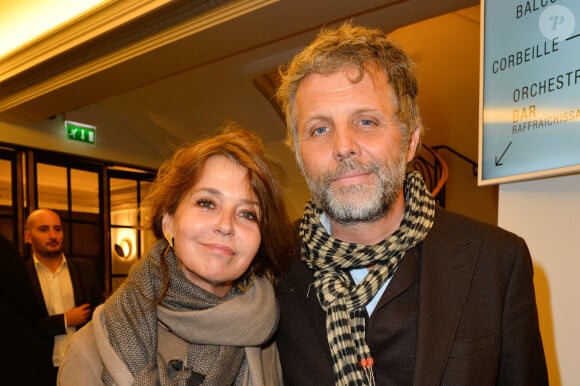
[86,290]
[23,351]
[476,322]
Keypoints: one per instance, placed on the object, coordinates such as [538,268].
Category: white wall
[546,213]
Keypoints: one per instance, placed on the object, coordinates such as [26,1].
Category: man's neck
[50,262]
[370,233]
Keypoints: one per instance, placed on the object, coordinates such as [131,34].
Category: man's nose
[344,143]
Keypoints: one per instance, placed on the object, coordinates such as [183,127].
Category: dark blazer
[473,310]
[86,290]
[22,349]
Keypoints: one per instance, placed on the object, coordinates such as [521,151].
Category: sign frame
[533,137]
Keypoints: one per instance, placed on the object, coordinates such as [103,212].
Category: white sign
[530,90]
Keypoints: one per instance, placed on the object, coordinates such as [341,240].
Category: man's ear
[414,141]
[27,238]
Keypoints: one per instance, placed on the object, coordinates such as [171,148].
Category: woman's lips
[219,249]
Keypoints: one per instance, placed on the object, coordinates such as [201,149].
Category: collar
[38,263]
[325,221]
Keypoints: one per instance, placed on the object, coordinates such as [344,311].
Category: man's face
[45,234]
[351,145]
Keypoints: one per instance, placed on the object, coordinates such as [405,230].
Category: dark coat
[22,348]
[473,313]
[86,290]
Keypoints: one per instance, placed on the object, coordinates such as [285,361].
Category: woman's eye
[249,215]
[204,203]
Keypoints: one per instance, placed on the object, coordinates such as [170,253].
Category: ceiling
[156,73]
[25,20]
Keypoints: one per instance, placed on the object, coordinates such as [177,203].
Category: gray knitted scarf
[216,328]
[342,300]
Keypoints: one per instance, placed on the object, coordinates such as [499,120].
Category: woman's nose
[225,223]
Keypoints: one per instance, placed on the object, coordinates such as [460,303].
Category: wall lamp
[124,248]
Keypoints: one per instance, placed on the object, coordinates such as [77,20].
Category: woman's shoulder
[82,361]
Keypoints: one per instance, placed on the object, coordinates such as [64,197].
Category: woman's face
[215,227]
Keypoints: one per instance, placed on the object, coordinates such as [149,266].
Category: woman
[200,309]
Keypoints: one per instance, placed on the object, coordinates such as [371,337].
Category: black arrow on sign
[498,160]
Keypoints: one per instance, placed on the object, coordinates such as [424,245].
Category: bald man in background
[67,290]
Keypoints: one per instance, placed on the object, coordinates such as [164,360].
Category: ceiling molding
[108,36]
[85,27]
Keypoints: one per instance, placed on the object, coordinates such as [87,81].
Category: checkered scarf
[342,300]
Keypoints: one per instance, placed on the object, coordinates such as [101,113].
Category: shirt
[58,293]
[358,274]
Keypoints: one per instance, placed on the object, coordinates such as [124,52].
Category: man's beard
[359,203]
[51,253]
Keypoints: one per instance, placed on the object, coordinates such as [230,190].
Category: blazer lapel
[303,283]
[36,286]
[404,277]
[447,265]
[75,277]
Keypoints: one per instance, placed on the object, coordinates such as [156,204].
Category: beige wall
[546,213]
[448,72]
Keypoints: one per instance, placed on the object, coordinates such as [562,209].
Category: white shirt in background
[58,293]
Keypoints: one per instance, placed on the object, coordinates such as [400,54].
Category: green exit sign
[80,132]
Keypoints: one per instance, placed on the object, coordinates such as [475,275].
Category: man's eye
[366,122]
[320,130]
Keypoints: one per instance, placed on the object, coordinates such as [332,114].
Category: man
[390,289]
[66,289]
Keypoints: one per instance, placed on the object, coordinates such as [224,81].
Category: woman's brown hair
[180,173]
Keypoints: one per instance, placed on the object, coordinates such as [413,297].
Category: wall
[116,146]
[448,74]
[119,146]
[546,213]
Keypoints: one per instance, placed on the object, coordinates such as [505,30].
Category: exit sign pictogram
[80,132]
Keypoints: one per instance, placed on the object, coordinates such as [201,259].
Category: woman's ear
[414,140]
[167,227]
